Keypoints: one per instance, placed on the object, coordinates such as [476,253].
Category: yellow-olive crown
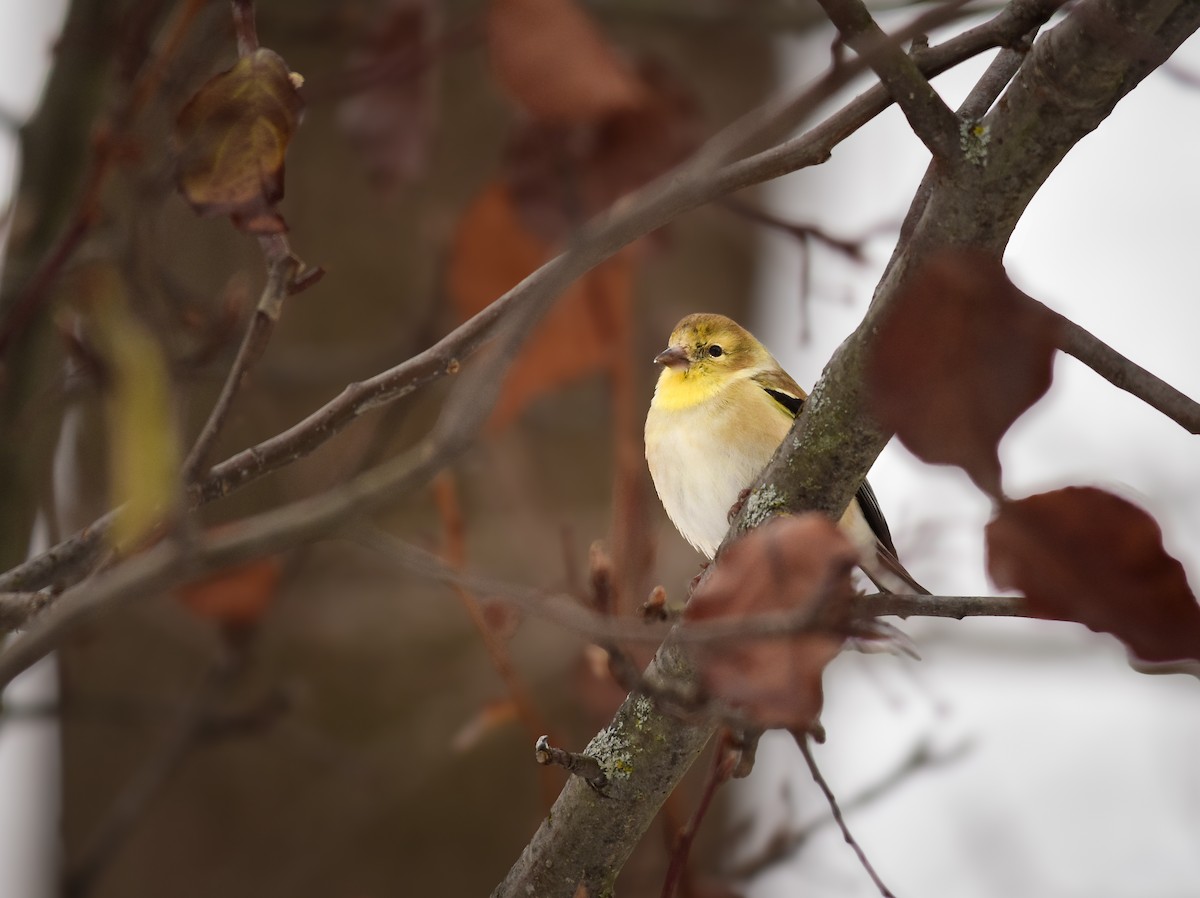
[711,343]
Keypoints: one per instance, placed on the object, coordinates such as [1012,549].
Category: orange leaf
[961,355]
[488,718]
[1085,555]
[237,595]
[788,564]
[231,138]
[492,252]
[552,60]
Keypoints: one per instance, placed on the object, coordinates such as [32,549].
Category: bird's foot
[736,508]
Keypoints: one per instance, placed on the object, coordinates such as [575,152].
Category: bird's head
[708,345]
[705,354]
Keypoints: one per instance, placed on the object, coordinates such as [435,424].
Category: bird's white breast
[701,457]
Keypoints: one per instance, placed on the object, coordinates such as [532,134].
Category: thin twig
[574,763]
[927,113]
[854,250]
[286,276]
[244,27]
[777,118]
[920,757]
[445,497]
[806,750]
[1126,375]
[603,629]
[724,761]
[957,607]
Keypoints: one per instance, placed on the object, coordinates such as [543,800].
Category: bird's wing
[874,515]
[780,387]
[788,394]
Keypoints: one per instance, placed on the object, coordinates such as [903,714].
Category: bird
[721,407]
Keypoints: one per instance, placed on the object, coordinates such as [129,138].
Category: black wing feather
[792,403]
[874,515]
[866,496]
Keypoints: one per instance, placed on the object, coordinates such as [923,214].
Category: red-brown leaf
[388,119]
[961,355]
[1085,555]
[551,59]
[787,565]
[231,138]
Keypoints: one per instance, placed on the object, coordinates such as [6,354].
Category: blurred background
[341,729]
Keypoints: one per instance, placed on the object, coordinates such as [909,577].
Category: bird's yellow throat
[684,389]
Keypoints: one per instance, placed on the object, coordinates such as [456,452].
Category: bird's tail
[889,575]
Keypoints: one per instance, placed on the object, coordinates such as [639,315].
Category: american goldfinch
[721,408]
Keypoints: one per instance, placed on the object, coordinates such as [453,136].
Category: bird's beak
[673,357]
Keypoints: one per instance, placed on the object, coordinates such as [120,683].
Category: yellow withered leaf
[143,445]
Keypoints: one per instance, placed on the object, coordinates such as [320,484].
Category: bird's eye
[716,351]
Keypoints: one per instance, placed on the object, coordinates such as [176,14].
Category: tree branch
[928,115]
[286,276]
[806,750]
[1127,375]
[18,607]
[723,763]
[921,757]
[603,629]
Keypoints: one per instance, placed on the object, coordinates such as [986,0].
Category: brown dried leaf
[787,565]
[231,138]
[235,596]
[492,252]
[552,60]
[1085,555]
[962,354]
[388,120]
